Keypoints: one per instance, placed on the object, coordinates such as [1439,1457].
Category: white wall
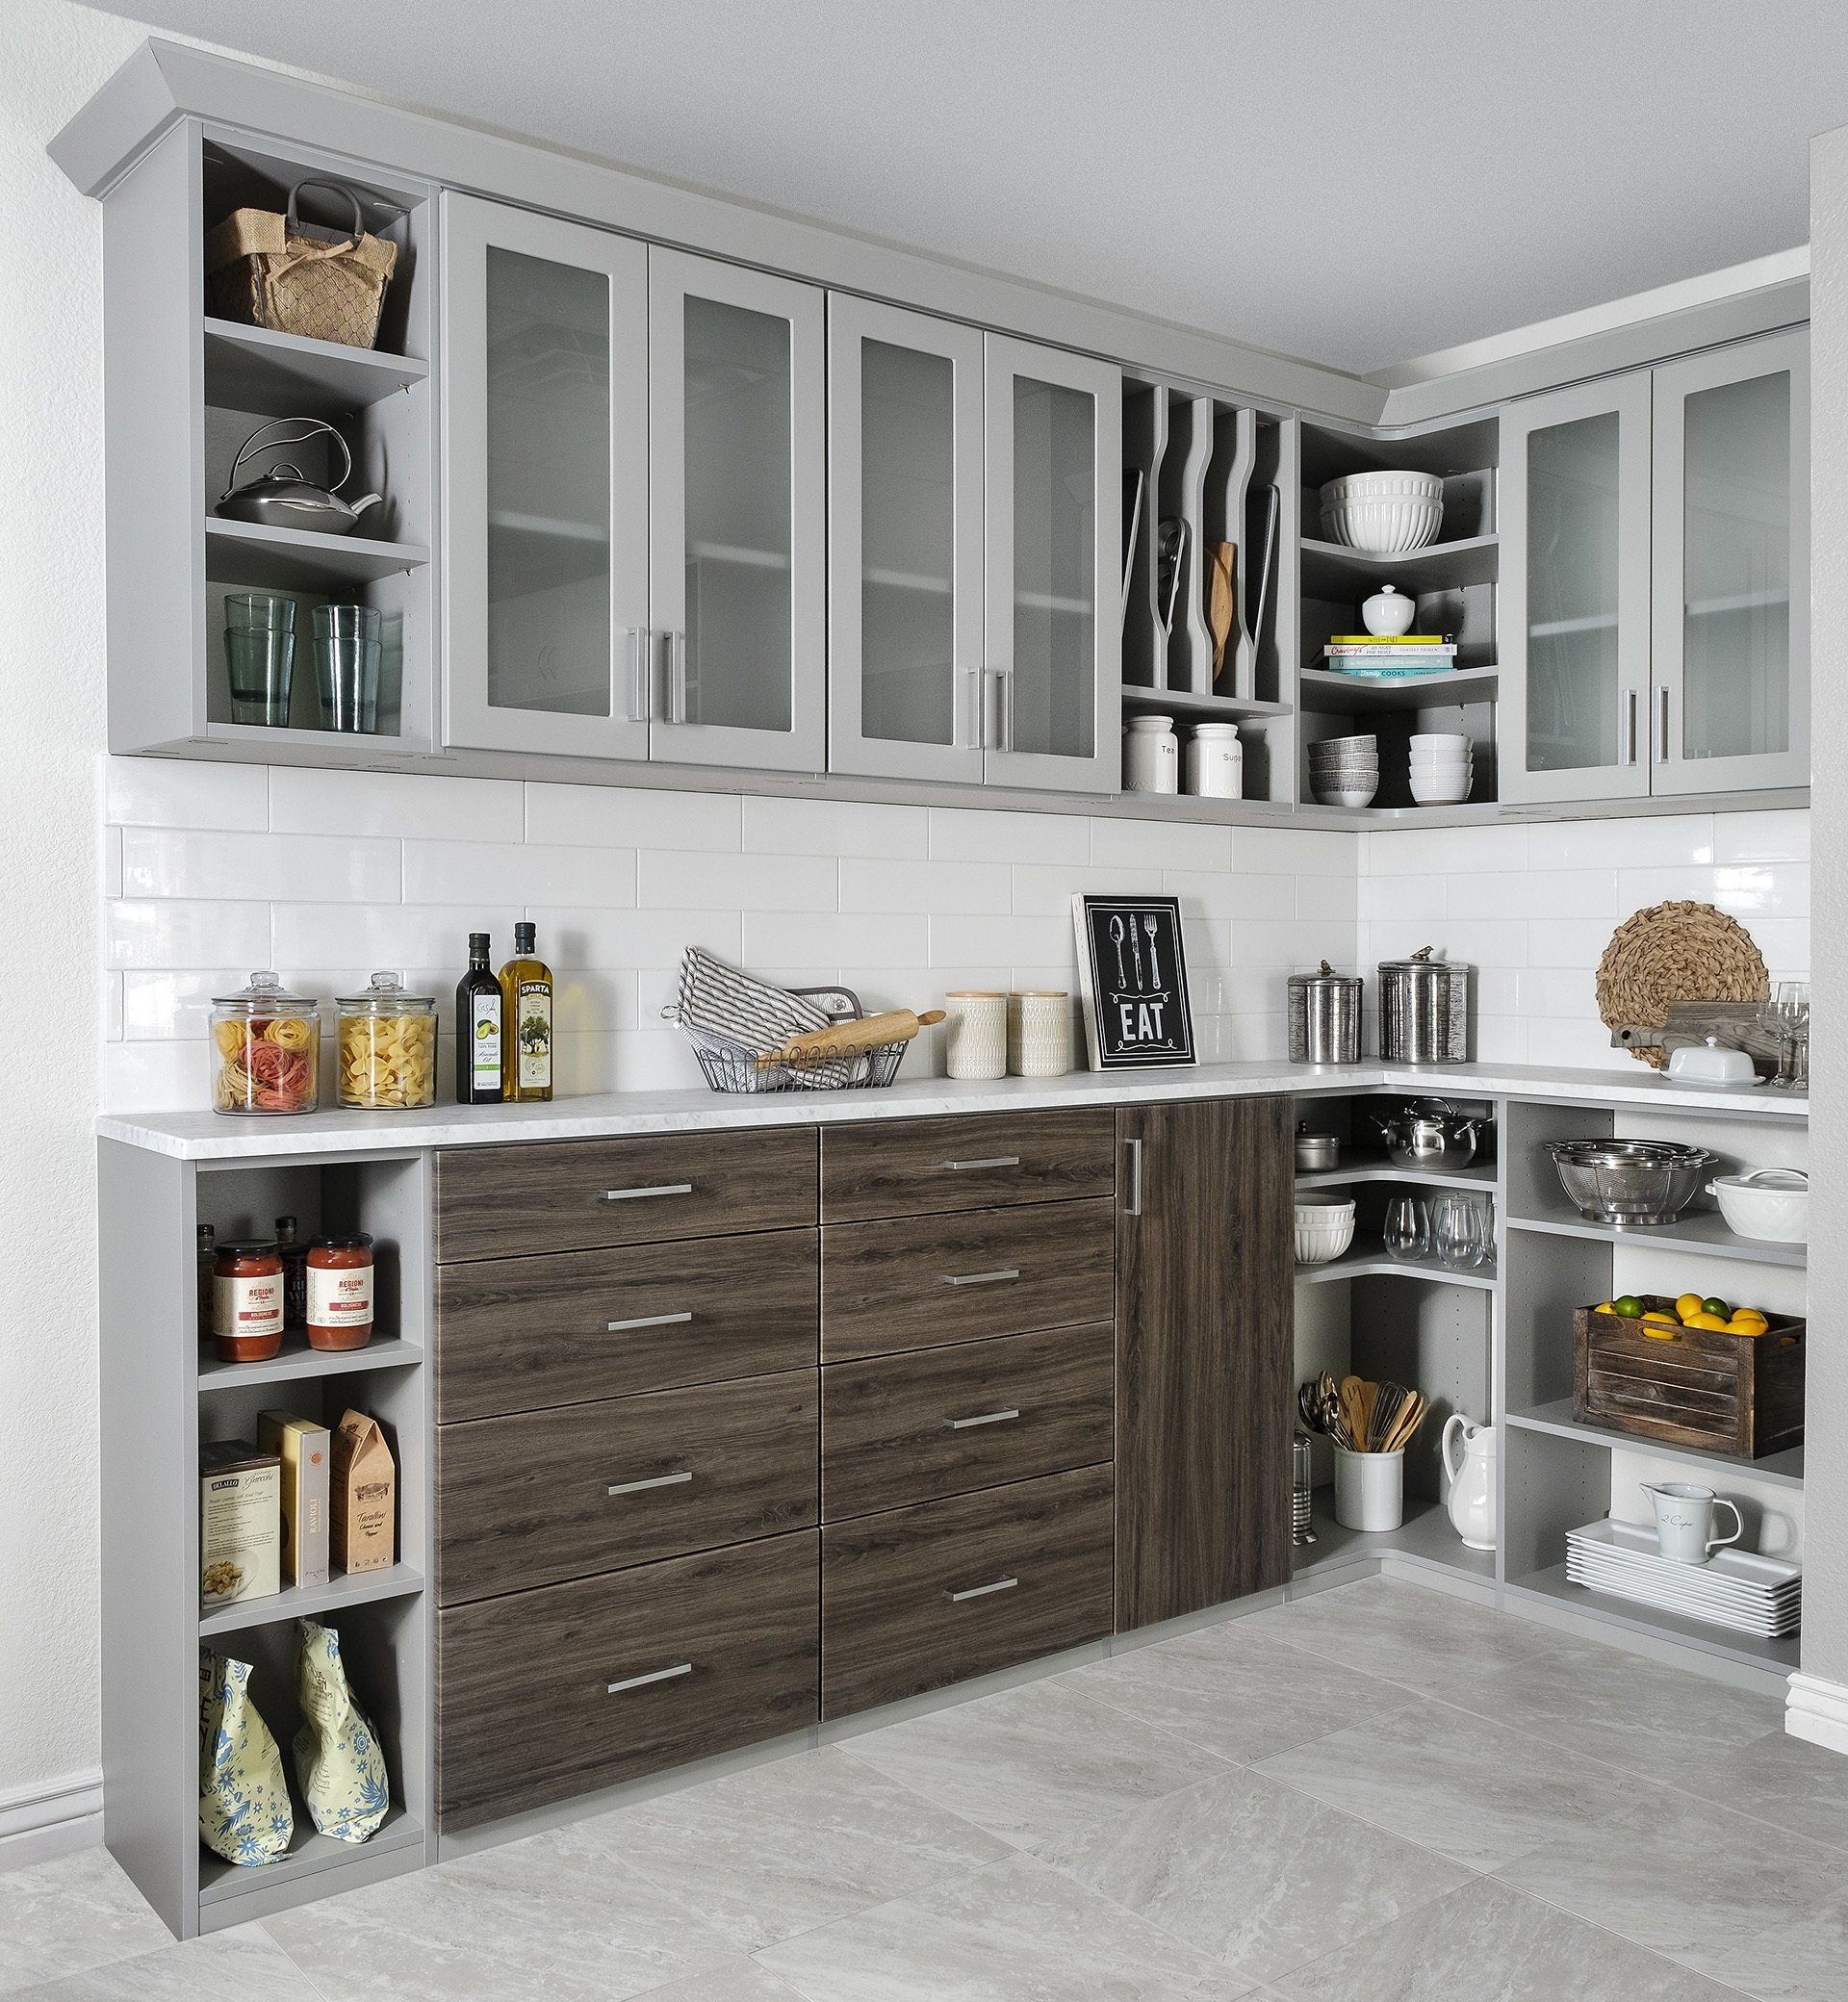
[52,56]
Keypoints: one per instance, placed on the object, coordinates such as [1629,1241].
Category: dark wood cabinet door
[911,1167]
[1205,1280]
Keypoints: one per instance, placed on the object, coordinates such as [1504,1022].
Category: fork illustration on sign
[1154,956]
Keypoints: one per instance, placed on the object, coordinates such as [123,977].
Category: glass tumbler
[1456,1231]
[347,650]
[259,656]
[1407,1231]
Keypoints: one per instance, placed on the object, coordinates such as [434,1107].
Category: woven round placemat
[1676,952]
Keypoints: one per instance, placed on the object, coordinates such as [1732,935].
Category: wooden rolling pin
[852,1039]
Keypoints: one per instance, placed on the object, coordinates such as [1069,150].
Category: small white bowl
[1324,1231]
[1383,514]
[1441,740]
[1344,795]
[1771,1204]
[1440,792]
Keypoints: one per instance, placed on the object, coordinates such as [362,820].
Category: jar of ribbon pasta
[387,1047]
[265,1049]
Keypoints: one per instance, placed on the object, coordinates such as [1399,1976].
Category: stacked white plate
[1441,768]
[1733,1588]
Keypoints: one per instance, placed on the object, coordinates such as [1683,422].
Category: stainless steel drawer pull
[636,1194]
[987,1418]
[616,1327]
[1006,1271]
[660,1675]
[660,1480]
[1001,1584]
[986,1161]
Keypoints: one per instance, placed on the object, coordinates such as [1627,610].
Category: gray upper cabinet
[1574,597]
[1654,615]
[1731,630]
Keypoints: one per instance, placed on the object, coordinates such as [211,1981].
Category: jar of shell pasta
[265,1049]
[387,1047]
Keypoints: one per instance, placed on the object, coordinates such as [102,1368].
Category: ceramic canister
[975,1033]
[1151,755]
[1040,1033]
[1215,762]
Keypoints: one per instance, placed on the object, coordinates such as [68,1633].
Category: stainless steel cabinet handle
[1006,1271]
[1133,1202]
[1001,1584]
[641,653]
[617,1327]
[1001,737]
[976,715]
[987,1418]
[638,1194]
[660,1675]
[1629,753]
[660,1480]
[677,676]
[1660,735]
[985,1161]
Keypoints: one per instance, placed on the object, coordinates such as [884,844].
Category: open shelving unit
[154,1625]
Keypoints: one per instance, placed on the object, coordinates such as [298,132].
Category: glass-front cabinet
[1654,604]
[1730,633]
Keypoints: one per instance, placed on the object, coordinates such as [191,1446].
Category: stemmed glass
[1786,1016]
[1407,1231]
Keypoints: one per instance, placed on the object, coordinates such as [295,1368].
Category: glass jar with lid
[387,1047]
[265,1049]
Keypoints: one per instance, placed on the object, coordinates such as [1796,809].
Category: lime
[1712,1305]
[1629,1307]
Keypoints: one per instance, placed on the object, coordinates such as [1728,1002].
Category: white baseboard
[50,1819]
[1817,1710]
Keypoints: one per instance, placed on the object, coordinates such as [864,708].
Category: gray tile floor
[1380,1793]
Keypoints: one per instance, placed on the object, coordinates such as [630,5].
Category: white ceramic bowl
[1441,740]
[1441,792]
[1328,795]
[1369,742]
[1771,1204]
[1384,514]
[1324,1231]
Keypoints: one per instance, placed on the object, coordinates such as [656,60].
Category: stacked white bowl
[1385,514]
[1324,1231]
[1344,771]
[1442,769]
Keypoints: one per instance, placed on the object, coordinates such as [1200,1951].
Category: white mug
[1684,1520]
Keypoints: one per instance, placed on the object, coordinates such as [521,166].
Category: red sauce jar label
[249,1305]
[339,1297]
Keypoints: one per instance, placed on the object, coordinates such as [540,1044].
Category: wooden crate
[1733,1394]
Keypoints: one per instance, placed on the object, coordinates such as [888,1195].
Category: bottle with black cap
[479,1021]
[525,995]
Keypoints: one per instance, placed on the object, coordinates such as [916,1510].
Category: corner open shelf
[1325,693]
[1331,571]
[1703,1232]
[1425,1537]
[1555,1418]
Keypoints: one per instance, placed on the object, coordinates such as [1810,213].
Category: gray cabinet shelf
[1325,693]
[1555,1418]
[273,375]
[1199,708]
[1554,1587]
[1363,1166]
[1700,1231]
[252,552]
[1370,1261]
[310,1853]
[1331,571]
[298,1362]
[338,1595]
[1425,1537]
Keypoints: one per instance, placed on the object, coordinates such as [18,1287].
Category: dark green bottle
[479,1027]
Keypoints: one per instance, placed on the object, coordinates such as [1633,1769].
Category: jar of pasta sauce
[340,1292]
[247,1285]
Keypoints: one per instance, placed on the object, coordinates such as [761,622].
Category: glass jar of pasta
[387,1047]
[265,1049]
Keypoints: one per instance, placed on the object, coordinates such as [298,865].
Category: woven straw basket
[1676,952]
[265,270]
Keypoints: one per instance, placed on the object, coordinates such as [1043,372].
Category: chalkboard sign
[1132,973]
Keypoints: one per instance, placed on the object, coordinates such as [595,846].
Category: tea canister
[1423,1010]
[1324,1017]
[1151,755]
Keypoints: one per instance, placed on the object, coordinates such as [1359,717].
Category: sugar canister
[1324,1017]
[1423,1010]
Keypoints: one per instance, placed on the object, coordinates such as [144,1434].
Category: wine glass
[1407,1230]
[1456,1231]
[1793,1008]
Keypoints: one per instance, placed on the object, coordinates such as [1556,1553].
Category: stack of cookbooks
[1371,657]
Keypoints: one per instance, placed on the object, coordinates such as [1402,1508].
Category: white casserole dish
[1771,1204]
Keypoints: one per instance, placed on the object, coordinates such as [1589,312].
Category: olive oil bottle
[480,1030]
[525,994]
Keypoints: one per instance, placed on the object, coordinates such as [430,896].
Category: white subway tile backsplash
[187,862]
[1528,893]
[957,940]
[307,801]
[843,943]
[973,889]
[112,854]
[172,932]
[388,935]
[1041,889]
[1404,896]
[834,828]
[669,881]
[1232,896]
[1161,844]
[618,938]
[458,872]
[160,1006]
[1334,898]
[1294,851]
[1666,841]
[977,835]
[1761,837]
[608,816]
[185,792]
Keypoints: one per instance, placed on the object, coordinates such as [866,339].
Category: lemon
[1664,1331]
[1605,1307]
[1711,1322]
[1687,1305]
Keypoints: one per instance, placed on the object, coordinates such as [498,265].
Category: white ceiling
[1353,183]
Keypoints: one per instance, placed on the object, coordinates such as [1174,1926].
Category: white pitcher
[1471,1480]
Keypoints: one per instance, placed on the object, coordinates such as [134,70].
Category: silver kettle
[283,498]
[1430,1133]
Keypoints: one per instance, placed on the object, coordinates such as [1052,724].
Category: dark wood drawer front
[582,1195]
[912,1166]
[919,1282]
[921,1597]
[517,1334]
[553,1495]
[908,1428]
[549,1694]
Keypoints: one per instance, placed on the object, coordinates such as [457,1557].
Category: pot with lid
[1324,1017]
[284,497]
[1430,1133]
[1423,1010]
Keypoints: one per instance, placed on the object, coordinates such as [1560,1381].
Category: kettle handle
[314,426]
[1450,1425]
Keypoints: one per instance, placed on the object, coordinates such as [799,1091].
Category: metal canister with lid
[1423,1010]
[1324,1017]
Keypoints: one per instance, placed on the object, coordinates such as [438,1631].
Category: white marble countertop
[206,1136]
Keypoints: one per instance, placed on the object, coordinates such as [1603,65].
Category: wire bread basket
[738,1025]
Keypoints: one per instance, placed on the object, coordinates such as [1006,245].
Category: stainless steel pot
[1430,1133]
[1423,1010]
[1324,1017]
[1629,1181]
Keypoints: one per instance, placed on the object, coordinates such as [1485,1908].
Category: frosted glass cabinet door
[1052,592]
[737,540]
[904,543]
[1730,704]
[1573,602]
[544,396]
